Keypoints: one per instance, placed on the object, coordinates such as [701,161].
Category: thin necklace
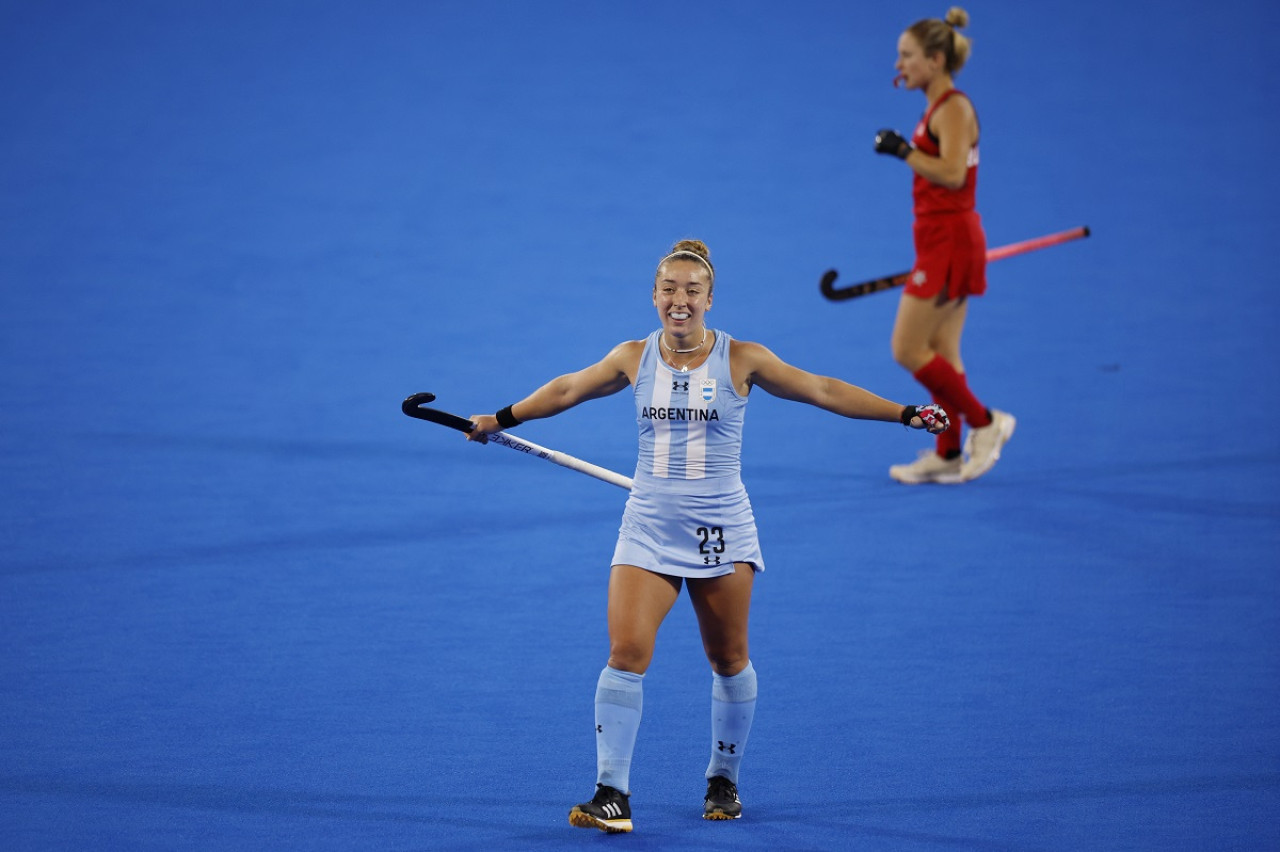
[662,338]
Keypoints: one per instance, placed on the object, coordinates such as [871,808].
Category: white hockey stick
[415,406]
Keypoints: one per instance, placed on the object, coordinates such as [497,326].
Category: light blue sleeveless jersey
[690,422]
[688,514]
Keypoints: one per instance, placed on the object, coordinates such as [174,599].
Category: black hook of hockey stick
[827,285]
[414,407]
[839,294]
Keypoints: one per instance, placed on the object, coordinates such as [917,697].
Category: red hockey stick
[839,294]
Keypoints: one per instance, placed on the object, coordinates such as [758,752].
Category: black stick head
[413,406]
[827,284]
[411,403]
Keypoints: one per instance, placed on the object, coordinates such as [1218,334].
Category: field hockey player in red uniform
[950,249]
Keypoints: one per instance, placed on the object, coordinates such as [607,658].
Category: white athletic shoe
[930,467]
[983,445]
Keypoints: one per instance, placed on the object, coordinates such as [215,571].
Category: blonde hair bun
[697,247]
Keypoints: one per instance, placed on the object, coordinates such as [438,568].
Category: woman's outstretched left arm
[754,364]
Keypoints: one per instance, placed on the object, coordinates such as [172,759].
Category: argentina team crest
[708,390]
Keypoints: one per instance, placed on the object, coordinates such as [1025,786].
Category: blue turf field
[247,604]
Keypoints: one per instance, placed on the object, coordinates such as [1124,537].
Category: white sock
[619,700]
[733,705]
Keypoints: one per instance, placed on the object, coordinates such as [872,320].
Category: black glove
[891,142]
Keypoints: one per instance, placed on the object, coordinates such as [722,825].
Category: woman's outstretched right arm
[607,376]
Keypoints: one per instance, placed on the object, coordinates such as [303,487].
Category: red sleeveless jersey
[930,197]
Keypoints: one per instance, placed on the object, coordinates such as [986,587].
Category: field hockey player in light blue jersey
[688,521]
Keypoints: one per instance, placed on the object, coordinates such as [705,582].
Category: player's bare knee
[910,356]
[630,658]
[728,663]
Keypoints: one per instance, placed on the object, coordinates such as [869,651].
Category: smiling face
[917,70]
[682,295]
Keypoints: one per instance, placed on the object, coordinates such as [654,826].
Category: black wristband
[907,413]
[905,149]
[506,419]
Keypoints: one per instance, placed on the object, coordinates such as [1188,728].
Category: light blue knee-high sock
[733,705]
[619,700]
